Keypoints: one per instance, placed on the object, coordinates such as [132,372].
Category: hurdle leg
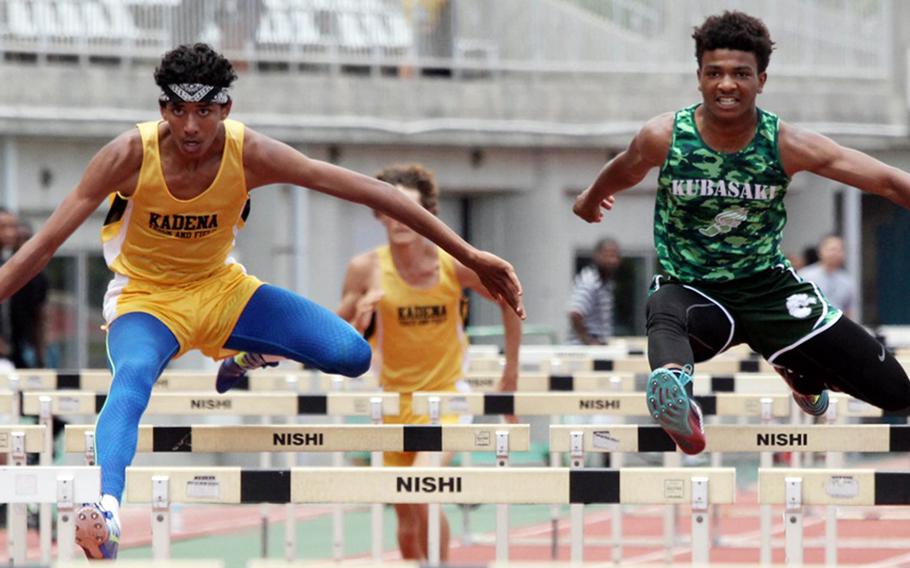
[796,418]
[502,510]
[434,524]
[16,516]
[376,508]
[337,509]
[616,461]
[576,510]
[161,518]
[18,532]
[793,519]
[434,509]
[467,538]
[716,461]
[832,460]
[766,460]
[554,516]
[670,512]
[45,528]
[290,509]
[290,513]
[66,522]
[700,522]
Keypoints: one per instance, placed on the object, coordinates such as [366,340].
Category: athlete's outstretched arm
[110,170]
[803,150]
[510,323]
[647,150]
[268,161]
[360,292]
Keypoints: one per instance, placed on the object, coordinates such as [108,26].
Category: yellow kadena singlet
[171,257]
[420,334]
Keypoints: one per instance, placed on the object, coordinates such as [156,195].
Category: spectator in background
[829,274]
[591,305]
[27,315]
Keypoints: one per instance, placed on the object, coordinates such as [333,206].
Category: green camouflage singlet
[720,216]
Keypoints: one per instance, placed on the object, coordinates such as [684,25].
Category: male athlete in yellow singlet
[178,193]
[415,291]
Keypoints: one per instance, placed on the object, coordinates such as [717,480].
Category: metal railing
[814,37]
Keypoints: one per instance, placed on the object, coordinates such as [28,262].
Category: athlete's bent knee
[350,356]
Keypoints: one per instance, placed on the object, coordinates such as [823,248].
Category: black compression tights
[684,327]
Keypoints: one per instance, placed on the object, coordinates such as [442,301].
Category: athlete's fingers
[515,292]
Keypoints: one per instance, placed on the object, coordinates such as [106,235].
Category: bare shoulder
[126,149]
[254,144]
[364,266]
[802,149]
[653,140]
[116,166]
[267,161]
[659,128]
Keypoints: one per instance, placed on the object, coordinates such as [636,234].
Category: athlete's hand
[590,209]
[364,308]
[500,280]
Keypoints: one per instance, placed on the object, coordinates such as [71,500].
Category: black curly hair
[197,63]
[734,30]
[414,176]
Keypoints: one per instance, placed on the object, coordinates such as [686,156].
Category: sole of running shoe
[812,409]
[91,532]
[669,406]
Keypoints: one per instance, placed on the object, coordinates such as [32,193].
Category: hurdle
[501,439]
[235,404]
[592,381]
[868,438]
[16,514]
[374,405]
[698,487]
[210,438]
[578,403]
[65,486]
[9,404]
[99,381]
[565,359]
[577,440]
[16,441]
[795,488]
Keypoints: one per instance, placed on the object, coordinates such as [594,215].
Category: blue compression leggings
[274,322]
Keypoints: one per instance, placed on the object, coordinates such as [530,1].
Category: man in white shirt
[829,275]
[591,304]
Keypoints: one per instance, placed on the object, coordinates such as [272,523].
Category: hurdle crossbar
[235,404]
[32,438]
[698,487]
[530,381]
[617,404]
[317,438]
[610,381]
[833,487]
[6,403]
[796,488]
[724,438]
[850,407]
[535,485]
[99,380]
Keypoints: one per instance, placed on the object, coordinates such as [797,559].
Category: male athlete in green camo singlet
[725,167]
[720,216]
